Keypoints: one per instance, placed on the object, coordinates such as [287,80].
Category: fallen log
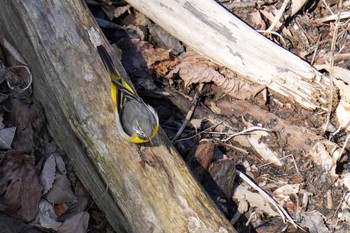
[220,36]
[58,40]
[295,138]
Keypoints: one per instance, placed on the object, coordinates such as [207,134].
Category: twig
[274,33]
[334,39]
[283,213]
[190,112]
[284,157]
[343,15]
[340,203]
[346,142]
[278,15]
[316,49]
[203,131]
[254,128]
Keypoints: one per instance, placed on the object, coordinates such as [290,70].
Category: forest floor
[268,163]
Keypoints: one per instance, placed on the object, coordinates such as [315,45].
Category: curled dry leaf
[47,216]
[22,79]
[194,68]
[19,185]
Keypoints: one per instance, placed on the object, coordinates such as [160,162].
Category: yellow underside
[135,139]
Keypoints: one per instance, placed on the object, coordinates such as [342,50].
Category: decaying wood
[216,33]
[57,39]
[294,138]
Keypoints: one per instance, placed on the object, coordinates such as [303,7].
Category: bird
[136,121]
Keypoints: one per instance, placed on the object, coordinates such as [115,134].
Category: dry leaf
[164,40]
[156,55]
[61,190]
[48,174]
[76,224]
[60,209]
[6,137]
[282,195]
[118,11]
[194,68]
[29,120]
[326,154]
[20,185]
[152,54]
[47,216]
[287,190]
[242,194]
[314,221]
[262,149]
[257,20]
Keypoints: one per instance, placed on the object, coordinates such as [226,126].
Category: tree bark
[58,38]
[217,34]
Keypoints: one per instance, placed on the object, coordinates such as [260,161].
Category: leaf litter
[35,184]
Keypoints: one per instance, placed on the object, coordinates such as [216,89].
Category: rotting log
[57,38]
[217,34]
[294,138]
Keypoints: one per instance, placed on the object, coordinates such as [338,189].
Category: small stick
[190,113]
[334,39]
[283,213]
[278,16]
[254,128]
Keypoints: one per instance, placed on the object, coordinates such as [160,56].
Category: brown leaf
[196,69]
[19,182]
[29,119]
[152,54]
[200,157]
